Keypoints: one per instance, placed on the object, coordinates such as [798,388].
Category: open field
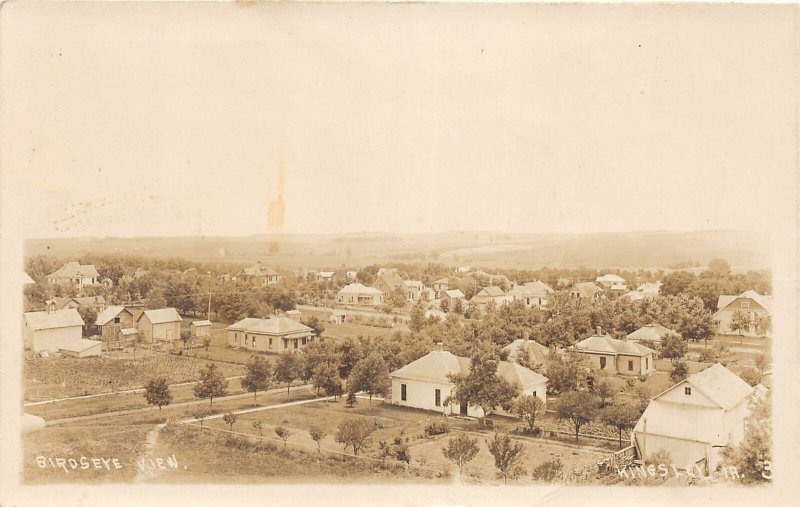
[54,377]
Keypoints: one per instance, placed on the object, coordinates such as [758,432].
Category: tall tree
[740,322]
[157,392]
[482,387]
[461,450]
[370,375]
[507,457]
[753,456]
[257,378]
[354,432]
[528,408]
[212,384]
[288,369]
[578,407]
[673,347]
[621,416]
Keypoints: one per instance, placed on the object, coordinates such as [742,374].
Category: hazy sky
[177,118]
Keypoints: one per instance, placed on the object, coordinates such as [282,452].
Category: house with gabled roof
[586,290]
[424,384]
[414,290]
[651,333]
[59,331]
[274,334]
[96,303]
[260,275]
[452,295]
[117,324]
[621,357]
[359,294]
[200,328]
[532,294]
[491,294]
[697,418]
[441,285]
[609,280]
[388,279]
[755,305]
[75,273]
[536,352]
[163,325]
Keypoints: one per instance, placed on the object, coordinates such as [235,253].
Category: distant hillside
[653,250]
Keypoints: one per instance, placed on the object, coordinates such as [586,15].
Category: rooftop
[67,317]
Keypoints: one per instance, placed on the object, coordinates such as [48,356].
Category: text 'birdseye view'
[398,244]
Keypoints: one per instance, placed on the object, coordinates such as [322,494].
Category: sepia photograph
[398,253]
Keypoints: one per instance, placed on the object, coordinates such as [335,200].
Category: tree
[565,373]
[157,392]
[549,471]
[482,387]
[258,425]
[673,347]
[444,305]
[528,408]
[370,375]
[317,435]
[461,450]
[417,317]
[283,433]
[212,384]
[257,378]
[622,416]
[507,456]
[719,267]
[763,324]
[676,283]
[288,370]
[230,418]
[354,432]
[579,407]
[642,395]
[752,457]
[317,325]
[186,335]
[89,316]
[351,400]
[680,371]
[740,322]
[200,413]
[603,390]
[326,377]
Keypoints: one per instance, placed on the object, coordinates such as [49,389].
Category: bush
[549,471]
[436,428]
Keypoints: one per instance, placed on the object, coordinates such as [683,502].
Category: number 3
[767,473]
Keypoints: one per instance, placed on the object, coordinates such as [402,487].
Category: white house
[414,290]
[75,273]
[338,317]
[696,418]
[273,334]
[532,294]
[424,384]
[610,280]
[488,295]
[622,357]
[359,294]
[751,303]
[586,290]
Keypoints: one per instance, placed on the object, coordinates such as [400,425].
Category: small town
[186,371]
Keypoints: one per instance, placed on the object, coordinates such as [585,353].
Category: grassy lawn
[54,377]
[125,443]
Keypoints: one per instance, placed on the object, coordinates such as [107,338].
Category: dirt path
[81,418]
[148,473]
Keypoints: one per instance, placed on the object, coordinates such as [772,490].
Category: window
[646,363]
[630,365]
[246,340]
[687,391]
[296,344]
[438,397]
[403,393]
[602,362]
[745,304]
[116,320]
[270,343]
[254,342]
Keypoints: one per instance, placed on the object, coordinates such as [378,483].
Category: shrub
[549,471]
[436,428]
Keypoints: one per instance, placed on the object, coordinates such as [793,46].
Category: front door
[463,409]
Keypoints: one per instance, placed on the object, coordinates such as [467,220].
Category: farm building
[359,294]
[273,334]
[52,329]
[76,274]
[750,303]
[200,328]
[117,323]
[338,317]
[84,348]
[532,294]
[536,352]
[162,325]
[696,418]
[617,356]
[452,295]
[424,384]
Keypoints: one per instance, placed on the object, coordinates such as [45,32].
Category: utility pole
[208,315]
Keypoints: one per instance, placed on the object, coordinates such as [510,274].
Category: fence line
[304,446]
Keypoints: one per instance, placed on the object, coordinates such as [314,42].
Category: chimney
[441,346]
[51,306]
[599,331]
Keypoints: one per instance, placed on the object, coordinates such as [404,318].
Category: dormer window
[687,391]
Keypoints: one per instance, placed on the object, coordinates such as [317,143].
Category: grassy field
[54,377]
